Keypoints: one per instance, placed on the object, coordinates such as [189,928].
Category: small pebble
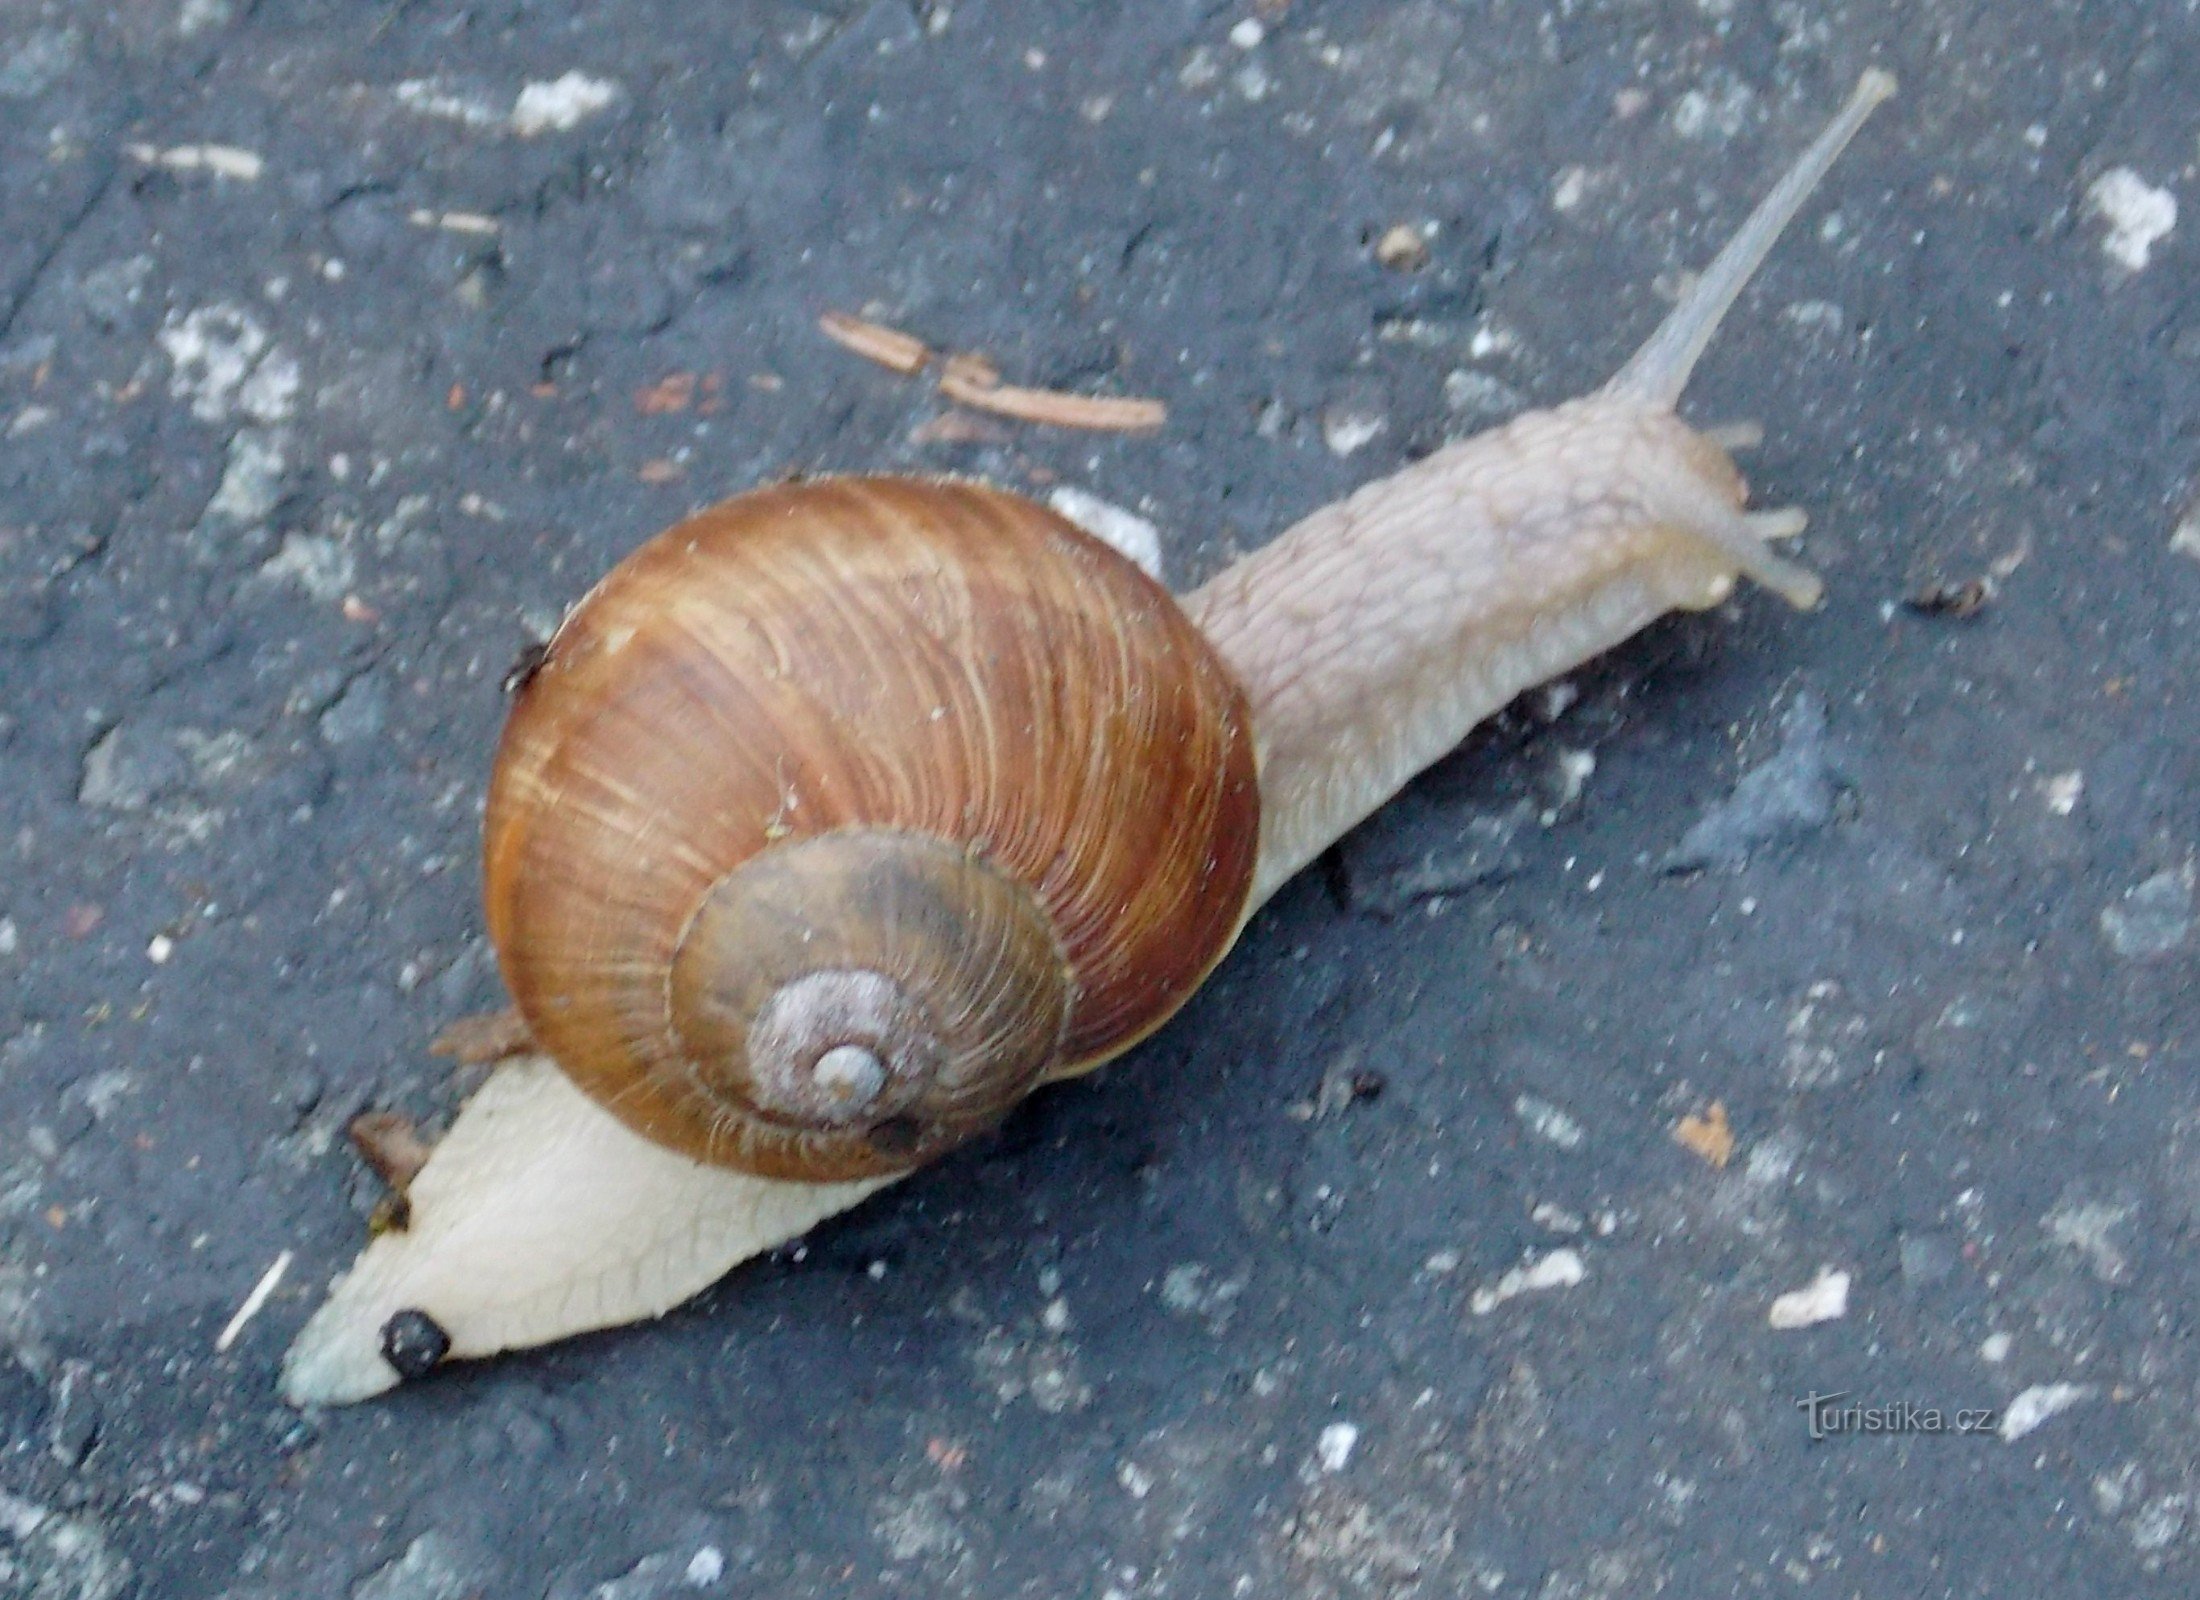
[359,712]
[1824,1299]
[1556,1218]
[72,1425]
[2036,1404]
[52,1554]
[1476,396]
[562,104]
[1560,1269]
[1402,248]
[1124,531]
[2101,1229]
[2153,918]
[2185,537]
[131,768]
[1927,1258]
[1786,797]
[435,1566]
[1346,431]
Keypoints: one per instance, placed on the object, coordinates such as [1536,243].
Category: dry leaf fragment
[391,1145]
[672,393]
[489,1037]
[1052,408]
[874,341]
[1708,1134]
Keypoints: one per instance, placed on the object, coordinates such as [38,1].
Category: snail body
[841,816]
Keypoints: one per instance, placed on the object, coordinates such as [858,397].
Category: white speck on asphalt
[1548,1122]
[225,362]
[2063,791]
[704,1568]
[562,104]
[1334,1448]
[2139,216]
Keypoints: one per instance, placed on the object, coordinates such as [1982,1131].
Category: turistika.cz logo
[1829,1418]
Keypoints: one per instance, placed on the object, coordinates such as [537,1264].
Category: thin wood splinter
[973,381]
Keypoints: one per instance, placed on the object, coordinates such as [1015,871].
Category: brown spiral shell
[840,815]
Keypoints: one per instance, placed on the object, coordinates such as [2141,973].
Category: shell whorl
[843,813]
[863,1000]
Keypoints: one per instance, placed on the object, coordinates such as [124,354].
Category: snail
[840,817]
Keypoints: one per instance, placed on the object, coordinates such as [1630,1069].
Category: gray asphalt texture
[301,447]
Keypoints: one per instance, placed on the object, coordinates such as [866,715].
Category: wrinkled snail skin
[1345,656]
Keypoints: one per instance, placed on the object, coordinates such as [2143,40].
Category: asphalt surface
[341,346]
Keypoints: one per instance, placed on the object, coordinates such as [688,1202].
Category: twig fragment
[1054,409]
[902,352]
[253,1302]
[974,381]
[468,222]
